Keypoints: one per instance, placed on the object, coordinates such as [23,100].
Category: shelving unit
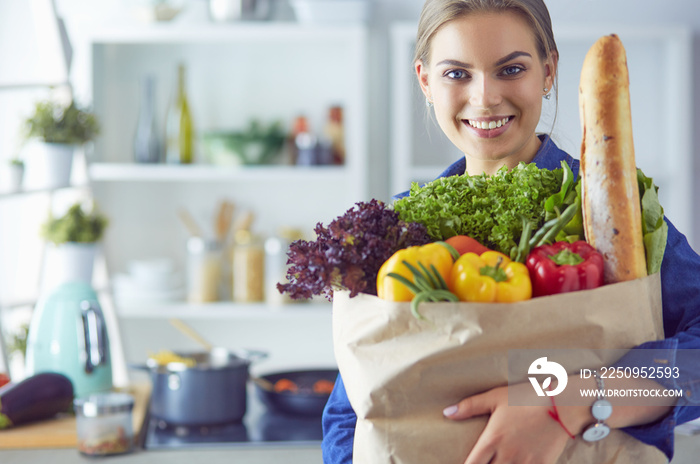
[235,72]
[659,60]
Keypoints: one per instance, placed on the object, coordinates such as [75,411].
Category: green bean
[565,218]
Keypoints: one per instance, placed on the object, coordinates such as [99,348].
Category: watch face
[601,410]
[596,432]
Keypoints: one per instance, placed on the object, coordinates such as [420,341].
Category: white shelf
[119,172]
[212,32]
[23,192]
[224,310]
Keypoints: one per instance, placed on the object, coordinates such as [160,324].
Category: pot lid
[101,404]
[217,358]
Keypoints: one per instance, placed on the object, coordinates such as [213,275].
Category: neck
[478,166]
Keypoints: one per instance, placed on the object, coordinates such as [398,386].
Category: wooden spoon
[191,333]
[189,222]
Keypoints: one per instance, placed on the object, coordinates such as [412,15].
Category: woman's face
[486,81]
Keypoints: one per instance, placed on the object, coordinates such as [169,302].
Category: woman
[485,66]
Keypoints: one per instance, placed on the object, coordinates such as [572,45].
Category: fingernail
[450,410]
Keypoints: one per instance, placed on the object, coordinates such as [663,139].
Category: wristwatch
[601,410]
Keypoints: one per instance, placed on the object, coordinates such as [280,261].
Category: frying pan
[304,402]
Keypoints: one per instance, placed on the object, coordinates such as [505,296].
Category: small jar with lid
[248,268]
[203,270]
[104,423]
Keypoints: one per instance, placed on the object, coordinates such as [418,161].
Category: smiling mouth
[486,125]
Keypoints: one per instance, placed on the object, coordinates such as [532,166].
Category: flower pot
[48,165]
[69,262]
[11,178]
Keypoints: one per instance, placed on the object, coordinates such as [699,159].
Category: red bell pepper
[564,267]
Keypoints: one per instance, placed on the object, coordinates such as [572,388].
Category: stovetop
[259,427]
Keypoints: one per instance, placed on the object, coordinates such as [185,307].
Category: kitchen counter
[54,441]
[268,455]
[687,450]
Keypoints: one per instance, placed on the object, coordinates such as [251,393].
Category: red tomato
[4,379]
[464,244]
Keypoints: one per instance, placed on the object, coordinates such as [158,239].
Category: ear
[550,70]
[422,75]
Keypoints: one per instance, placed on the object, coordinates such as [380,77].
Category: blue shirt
[680,291]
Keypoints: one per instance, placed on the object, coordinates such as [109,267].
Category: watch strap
[600,410]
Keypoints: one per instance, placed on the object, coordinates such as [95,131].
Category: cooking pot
[303,401]
[210,392]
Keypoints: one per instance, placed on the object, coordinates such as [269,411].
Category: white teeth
[488,124]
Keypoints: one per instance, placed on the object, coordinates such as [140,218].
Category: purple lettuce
[349,252]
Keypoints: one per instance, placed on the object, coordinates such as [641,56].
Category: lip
[488,133]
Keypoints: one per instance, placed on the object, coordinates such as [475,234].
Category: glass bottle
[305,143]
[179,125]
[334,132]
[146,140]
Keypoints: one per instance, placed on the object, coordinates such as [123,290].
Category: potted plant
[73,238]
[57,130]
[11,176]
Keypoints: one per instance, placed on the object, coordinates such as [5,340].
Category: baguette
[609,190]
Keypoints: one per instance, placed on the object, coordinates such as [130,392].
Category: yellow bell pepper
[435,254]
[490,278]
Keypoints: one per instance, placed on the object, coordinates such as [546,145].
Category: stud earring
[546,95]
[428,103]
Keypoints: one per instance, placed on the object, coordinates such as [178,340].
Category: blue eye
[456,74]
[511,71]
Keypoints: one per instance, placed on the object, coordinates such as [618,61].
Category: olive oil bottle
[179,134]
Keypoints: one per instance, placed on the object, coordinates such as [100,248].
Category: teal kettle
[68,335]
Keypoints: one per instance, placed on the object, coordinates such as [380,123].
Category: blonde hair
[437,12]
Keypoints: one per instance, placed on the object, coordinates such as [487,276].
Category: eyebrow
[504,60]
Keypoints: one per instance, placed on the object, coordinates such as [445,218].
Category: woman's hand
[513,434]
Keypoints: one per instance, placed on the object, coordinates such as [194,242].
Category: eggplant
[40,396]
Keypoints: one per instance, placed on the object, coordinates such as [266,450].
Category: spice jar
[203,270]
[248,268]
[104,423]
[276,266]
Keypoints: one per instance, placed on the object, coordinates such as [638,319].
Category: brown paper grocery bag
[400,373]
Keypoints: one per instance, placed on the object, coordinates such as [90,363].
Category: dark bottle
[334,133]
[147,145]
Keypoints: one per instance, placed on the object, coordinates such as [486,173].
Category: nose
[484,93]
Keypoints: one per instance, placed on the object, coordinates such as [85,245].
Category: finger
[476,405]
[481,455]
